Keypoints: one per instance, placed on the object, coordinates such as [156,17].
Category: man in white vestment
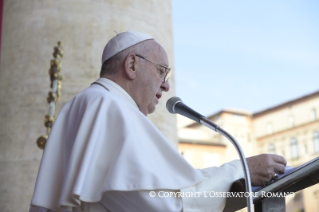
[103,153]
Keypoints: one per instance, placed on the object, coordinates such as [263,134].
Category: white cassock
[103,154]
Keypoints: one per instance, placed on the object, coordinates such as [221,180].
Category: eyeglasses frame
[168,72]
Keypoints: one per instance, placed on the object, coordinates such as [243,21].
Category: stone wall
[30,30]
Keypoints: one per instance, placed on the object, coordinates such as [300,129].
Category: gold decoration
[52,97]
[58,93]
[42,141]
[58,50]
[48,121]
[55,93]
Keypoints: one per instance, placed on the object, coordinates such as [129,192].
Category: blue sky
[250,55]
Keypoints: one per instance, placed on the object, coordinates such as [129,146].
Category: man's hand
[263,167]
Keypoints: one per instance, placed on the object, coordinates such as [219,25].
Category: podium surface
[298,179]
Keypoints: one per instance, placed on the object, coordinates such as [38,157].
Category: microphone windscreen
[170,104]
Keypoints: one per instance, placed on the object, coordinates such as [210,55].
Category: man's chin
[151,108]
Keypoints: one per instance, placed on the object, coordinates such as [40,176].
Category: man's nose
[165,86]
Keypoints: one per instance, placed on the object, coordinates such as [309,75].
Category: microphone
[175,105]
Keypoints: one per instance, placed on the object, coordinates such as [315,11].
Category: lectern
[295,180]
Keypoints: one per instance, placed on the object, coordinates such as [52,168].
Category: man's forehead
[164,60]
[160,54]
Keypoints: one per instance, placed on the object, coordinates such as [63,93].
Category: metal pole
[208,123]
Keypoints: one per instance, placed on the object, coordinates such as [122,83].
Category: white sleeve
[209,191]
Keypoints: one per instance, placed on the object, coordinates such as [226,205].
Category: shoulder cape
[100,143]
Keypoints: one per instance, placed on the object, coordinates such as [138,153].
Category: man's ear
[130,66]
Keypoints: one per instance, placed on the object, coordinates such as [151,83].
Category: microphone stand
[175,105]
[208,123]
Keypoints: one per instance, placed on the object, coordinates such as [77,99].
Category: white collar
[116,89]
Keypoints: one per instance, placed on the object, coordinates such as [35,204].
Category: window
[270,128]
[316,142]
[291,122]
[294,148]
[271,149]
[313,115]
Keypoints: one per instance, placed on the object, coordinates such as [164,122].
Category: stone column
[30,30]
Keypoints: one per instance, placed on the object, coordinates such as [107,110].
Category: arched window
[316,142]
[294,148]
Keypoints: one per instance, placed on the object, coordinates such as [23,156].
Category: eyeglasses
[164,74]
